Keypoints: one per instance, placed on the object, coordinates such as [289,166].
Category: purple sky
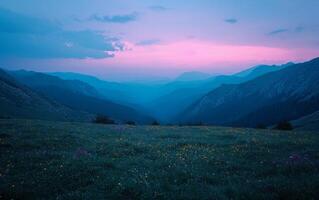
[127,39]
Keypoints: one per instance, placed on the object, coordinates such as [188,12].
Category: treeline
[102,119]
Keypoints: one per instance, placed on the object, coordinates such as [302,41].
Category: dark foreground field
[48,160]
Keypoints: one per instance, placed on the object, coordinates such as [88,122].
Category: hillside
[309,122]
[193,76]
[286,94]
[182,94]
[261,70]
[79,96]
[79,160]
[18,101]
[38,80]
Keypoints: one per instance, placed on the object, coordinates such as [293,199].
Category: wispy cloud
[25,36]
[231,21]
[158,8]
[148,42]
[278,31]
[121,19]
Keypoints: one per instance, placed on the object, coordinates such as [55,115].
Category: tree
[261,126]
[284,125]
[132,123]
[102,119]
[155,123]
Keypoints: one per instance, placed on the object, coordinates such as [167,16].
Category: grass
[53,160]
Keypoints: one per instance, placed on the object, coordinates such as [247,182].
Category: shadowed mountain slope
[286,94]
[79,96]
[184,93]
[309,122]
[18,101]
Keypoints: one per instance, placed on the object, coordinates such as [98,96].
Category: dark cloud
[231,21]
[116,18]
[158,8]
[24,36]
[148,42]
[278,31]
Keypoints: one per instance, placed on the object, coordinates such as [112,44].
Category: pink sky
[204,55]
[161,38]
[172,58]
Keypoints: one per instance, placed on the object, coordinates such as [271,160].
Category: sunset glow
[146,38]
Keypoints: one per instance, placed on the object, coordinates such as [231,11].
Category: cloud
[24,36]
[158,8]
[121,19]
[278,31]
[231,21]
[148,42]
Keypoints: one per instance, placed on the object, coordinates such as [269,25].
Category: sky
[135,39]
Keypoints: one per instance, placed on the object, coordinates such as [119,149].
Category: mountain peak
[193,76]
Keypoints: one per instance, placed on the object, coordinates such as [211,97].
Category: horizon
[132,40]
[148,79]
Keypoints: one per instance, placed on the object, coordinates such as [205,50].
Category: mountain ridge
[239,105]
[66,93]
[19,101]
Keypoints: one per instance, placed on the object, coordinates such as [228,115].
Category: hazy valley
[259,96]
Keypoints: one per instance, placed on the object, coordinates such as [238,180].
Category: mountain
[166,100]
[76,76]
[309,122]
[38,80]
[181,94]
[79,96]
[124,93]
[19,101]
[193,76]
[286,94]
[261,70]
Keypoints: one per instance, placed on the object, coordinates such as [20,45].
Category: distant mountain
[180,95]
[76,76]
[124,93]
[309,122]
[286,94]
[38,80]
[261,70]
[193,76]
[18,101]
[79,96]
[166,100]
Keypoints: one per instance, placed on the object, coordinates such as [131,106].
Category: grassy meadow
[54,160]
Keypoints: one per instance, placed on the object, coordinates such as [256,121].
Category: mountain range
[183,94]
[261,95]
[78,96]
[282,95]
[19,101]
[193,76]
